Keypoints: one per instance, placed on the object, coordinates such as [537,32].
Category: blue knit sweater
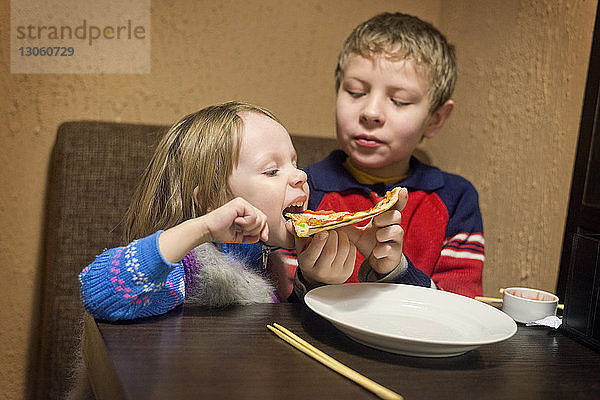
[136,281]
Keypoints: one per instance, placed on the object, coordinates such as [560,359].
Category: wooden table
[196,353]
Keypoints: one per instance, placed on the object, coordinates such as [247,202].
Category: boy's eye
[400,103]
[355,94]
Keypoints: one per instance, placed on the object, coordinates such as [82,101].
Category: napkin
[551,321]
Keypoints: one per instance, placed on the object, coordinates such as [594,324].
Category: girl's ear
[196,194]
[198,200]
[438,119]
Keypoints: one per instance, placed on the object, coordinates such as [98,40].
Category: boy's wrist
[366,273]
[303,285]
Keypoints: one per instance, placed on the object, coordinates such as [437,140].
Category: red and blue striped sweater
[443,228]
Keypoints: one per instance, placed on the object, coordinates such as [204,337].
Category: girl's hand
[381,240]
[234,222]
[327,257]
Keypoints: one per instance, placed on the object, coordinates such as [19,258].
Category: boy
[394,79]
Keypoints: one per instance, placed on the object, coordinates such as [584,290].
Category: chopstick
[491,300]
[330,362]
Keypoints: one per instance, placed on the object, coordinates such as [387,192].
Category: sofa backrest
[94,169]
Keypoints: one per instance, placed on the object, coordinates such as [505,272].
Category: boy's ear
[438,119]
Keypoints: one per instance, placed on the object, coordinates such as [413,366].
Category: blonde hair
[201,151]
[401,36]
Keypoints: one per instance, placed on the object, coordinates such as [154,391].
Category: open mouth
[293,208]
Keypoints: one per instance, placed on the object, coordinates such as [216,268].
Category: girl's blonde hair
[201,151]
[399,37]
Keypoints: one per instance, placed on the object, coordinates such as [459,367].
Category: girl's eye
[271,172]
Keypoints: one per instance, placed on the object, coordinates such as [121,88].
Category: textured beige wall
[523,66]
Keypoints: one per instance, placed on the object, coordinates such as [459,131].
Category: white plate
[410,320]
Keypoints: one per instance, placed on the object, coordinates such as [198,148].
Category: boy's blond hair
[401,36]
[201,150]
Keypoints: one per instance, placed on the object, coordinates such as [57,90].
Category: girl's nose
[298,178]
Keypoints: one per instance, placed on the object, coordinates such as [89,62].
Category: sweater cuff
[367,274]
[405,273]
[301,287]
[156,237]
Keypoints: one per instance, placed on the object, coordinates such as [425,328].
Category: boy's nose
[371,114]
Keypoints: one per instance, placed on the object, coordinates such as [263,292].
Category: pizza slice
[308,223]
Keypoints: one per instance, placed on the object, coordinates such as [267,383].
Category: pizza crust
[310,222]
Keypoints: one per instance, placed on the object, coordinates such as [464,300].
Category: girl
[219,183]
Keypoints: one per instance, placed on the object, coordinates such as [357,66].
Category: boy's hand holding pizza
[380,241]
[323,257]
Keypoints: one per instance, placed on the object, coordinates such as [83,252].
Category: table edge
[103,370]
